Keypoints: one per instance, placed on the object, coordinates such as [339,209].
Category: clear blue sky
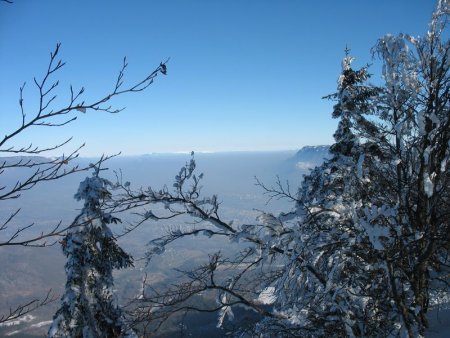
[243,74]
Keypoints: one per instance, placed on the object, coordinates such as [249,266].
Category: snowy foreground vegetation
[362,249]
[365,248]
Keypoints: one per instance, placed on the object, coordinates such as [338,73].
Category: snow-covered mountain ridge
[310,156]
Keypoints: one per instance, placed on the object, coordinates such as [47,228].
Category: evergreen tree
[329,291]
[89,307]
[377,230]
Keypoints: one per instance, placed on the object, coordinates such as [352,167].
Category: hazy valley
[31,272]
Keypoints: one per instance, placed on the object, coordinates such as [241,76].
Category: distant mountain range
[22,159]
[308,157]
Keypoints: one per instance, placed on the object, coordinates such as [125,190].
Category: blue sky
[242,75]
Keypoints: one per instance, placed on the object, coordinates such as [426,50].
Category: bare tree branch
[23,309]
[38,170]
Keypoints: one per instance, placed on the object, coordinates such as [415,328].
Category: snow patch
[304,165]
[18,321]
[267,296]
[428,185]
[41,324]
[12,333]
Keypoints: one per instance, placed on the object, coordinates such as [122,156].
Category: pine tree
[379,207]
[332,296]
[89,307]
[381,204]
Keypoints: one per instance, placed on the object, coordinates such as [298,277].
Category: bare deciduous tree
[32,165]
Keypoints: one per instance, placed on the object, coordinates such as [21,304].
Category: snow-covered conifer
[89,307]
